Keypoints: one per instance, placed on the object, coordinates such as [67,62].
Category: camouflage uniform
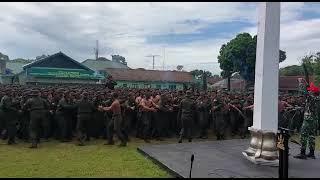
[308,130]
[37,107]
[309,127]
[85,110]
[10,117]
[186,114]
[203,108]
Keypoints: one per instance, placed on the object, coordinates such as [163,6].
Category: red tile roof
[212,80]
[285,83]
[149,75]
[291,82]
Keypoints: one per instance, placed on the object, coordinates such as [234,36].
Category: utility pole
[97,49]
[164,57]
[153,59]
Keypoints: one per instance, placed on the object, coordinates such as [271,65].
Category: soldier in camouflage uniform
[234,117]
[186,115]
[220,112]
[63,117]
[309,125]
[203,108]
[37,107]
[10,117]
[130,113]
[85,110]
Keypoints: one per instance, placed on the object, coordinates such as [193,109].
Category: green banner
[63,73]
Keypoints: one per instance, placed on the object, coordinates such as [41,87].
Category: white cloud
[30,29]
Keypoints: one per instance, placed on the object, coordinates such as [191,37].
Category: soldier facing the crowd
[37,108]
[186,116]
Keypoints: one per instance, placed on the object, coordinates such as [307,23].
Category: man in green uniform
[186,116]
[309,125]
[203,108]
[85,112]
[63,117]
[130,113]
[220,112]
[10,117]
[37,107]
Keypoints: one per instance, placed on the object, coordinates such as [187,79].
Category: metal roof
[55,61]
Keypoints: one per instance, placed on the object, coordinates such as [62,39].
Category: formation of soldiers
[31,113]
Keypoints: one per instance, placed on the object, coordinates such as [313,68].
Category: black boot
[302,154]
[123,144]
[33,146]
[311,154]
[80,143]
[109,143]
[11,142]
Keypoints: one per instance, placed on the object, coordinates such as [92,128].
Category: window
[124,85]
[172,86]
[135,85]
[147,86]
[158,86]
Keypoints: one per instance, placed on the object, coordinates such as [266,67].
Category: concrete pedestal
[263,148]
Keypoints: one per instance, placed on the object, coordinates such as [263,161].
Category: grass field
[55,159]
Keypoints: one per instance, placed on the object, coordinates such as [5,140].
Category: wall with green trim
[154,85]
[27,79]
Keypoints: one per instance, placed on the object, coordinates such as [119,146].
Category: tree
[102,59]
[204,81]
[316,67]
[216,76]
[4,57]
[225,64]
[199,73]
[309,61]
[119,59]
[294,70]
[239,55]
[41,57]
[179,67]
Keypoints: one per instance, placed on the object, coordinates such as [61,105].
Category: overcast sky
[188,33]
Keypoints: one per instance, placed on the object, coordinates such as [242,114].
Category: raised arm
[143,105]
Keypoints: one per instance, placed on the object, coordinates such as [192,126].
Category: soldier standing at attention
[139,117]
[186,115]
[116,122]
[221,113]
[234,117]
[37,107]
[309,125]
[10,117]
[203,109]
[85,112]
[63,117]
[130,113]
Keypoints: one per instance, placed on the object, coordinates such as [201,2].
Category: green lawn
[55,159]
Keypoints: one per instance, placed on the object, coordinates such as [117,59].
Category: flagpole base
[263,148]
